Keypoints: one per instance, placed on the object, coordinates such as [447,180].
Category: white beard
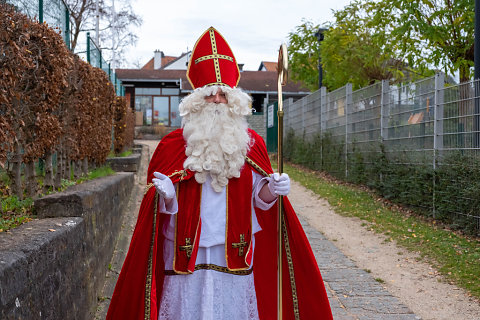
[217,143]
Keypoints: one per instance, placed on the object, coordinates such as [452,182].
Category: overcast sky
[253,29]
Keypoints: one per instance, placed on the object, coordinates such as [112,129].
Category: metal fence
[57,15]
[95,58]
[422,124]
[53,12]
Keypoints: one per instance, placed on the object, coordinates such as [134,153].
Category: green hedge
[450,193]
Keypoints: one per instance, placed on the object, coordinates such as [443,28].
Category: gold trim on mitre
[190,62]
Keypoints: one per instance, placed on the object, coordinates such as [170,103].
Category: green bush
[450,193]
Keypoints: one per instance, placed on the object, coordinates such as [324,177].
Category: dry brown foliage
[50,100]
[124,125]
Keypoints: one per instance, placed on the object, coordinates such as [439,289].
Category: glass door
[160,111]
[175,119]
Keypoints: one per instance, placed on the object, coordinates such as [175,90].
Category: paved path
[353,293]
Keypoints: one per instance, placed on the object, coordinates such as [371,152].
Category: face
[219,97]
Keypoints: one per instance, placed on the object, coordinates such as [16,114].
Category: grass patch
[10,222]
[94,174]
[100,172]
[12,204]
[455,256]
[14,212]
[379,280]
[120,155]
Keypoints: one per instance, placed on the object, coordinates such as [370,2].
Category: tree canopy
[391,39]
[304,51]
[433,33]
[358,51]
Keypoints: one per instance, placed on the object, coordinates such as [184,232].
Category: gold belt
[214,268]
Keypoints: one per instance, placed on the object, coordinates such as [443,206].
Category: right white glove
[164,185]
[279,184]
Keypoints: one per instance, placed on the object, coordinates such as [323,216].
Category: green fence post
[100,54]
[40,11]
[67,28]
[88,47]
[272,127]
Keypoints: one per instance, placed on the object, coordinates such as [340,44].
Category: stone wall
[257,123]
[54,267]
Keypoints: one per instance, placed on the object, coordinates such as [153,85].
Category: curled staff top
[282,68]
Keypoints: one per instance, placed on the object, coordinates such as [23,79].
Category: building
[156,89]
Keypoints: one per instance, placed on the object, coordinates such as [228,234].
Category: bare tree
[116,22]
[116,36]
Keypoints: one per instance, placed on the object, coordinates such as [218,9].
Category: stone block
[40,270]
[54,267]
[125,164]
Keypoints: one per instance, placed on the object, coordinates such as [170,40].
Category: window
[170,91]
[175,120]
[159,106]
[148,91]
[160,111]
[144,104]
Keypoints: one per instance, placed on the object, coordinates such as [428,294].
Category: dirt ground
[415,283]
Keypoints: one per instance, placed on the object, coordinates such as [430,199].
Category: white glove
[279,184]
[164,185]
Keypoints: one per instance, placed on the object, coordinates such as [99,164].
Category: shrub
[450,193]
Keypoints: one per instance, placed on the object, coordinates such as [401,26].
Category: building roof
[270,66]
[175,59]
[165,60]
[250,81]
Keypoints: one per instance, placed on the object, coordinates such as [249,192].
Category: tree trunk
[77,172]
[92,165]
[30,179]
[48,181]
[59,173]
[66,172]
[15,173]
[85,166]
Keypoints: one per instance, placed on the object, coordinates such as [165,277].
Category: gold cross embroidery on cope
[187,247]
[240,245]
[215,56]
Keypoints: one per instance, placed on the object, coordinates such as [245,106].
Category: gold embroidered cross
[215,56]
[240,245]
[187,247]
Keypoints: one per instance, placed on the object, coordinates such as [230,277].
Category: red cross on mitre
[212,62]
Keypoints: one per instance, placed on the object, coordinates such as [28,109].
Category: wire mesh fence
[417,143]
[95,58]
[53,12]
[57,15]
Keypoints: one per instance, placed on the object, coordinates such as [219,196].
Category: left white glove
[279,184]
[164,185]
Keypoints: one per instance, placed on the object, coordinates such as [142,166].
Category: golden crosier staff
[282,68]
